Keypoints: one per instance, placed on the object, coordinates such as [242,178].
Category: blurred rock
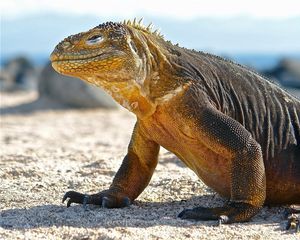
[287,73]
[6,81]
[71,91]
[18,74]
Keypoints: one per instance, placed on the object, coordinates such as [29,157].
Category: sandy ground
[47,152]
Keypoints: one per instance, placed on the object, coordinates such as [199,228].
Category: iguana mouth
[82,58]
[75,58]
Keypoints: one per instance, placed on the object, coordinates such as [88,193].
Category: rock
[6,81]
[18,74]
[287,73]
[71,91]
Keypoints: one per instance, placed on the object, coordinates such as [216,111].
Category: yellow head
[118,57]
[105,53]
[127,59]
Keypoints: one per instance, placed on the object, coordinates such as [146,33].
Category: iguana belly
[212,169]
[180,137]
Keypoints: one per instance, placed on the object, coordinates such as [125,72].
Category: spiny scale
[138,25]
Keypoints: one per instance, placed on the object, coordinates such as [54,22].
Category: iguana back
[269,113]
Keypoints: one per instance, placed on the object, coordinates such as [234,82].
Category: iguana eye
[94,39]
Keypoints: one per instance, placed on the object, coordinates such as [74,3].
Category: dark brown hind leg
[293,215]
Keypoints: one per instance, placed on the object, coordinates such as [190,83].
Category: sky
[33,27]
[187,9]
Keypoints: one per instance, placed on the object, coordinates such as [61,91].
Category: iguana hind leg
[223,134]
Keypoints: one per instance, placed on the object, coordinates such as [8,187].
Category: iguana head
[107,52]
[123,58]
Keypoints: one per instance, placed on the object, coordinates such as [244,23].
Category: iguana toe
[291,210]
[105,199]
[293,223]
[223,219]
[74,197]
[229,213]
[292,214]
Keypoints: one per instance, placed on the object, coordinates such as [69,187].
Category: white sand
[45,153]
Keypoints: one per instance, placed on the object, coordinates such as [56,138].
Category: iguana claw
[75,197]
[293,223]
[223,219]
[103,199]
[293,218]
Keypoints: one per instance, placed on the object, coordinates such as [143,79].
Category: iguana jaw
[126,91]
[85,65]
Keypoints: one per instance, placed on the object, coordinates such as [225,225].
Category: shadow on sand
[140,214]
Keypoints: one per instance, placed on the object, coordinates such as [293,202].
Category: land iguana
[237,131]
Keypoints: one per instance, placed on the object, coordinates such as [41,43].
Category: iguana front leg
[225,136]
[131,179]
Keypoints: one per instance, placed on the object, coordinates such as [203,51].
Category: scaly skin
[238,132]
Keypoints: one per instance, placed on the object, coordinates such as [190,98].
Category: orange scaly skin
[238,132]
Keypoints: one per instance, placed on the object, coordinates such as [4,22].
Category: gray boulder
[18,73]
[287,73]
[71,91]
